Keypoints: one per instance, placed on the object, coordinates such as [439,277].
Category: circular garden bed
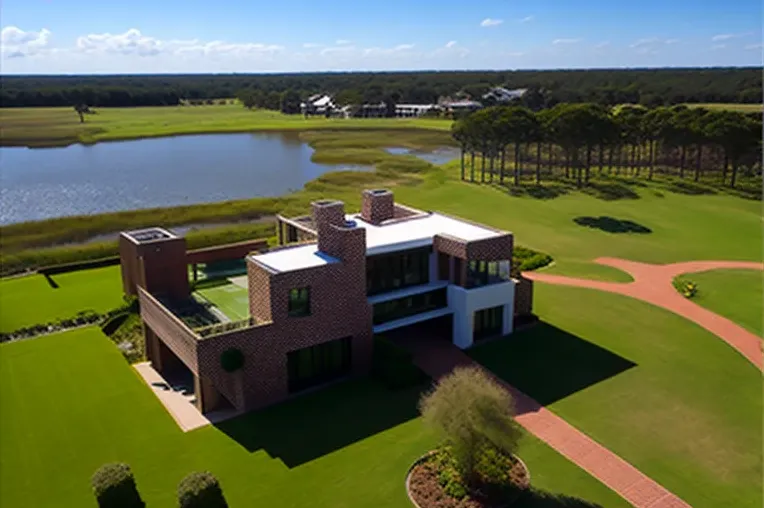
[432,482]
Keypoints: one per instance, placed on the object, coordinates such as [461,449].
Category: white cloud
[491,22]
[602,44]
[718,46]
[644,42]
[726,37]
[16,43]
[526,19]
[311,45]
[671,41]
[557,42]
[753,46]
[342,42]
[133,42]
[450,44]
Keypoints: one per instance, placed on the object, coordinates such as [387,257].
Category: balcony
[485,273]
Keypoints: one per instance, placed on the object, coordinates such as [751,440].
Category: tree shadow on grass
[535,498]
[548,363]
[316,424]
[688,188]
[612,225]
[538,191]
[609,190]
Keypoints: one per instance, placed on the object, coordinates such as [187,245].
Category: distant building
[461,106]
[413,110]
[503,95]
[319,104]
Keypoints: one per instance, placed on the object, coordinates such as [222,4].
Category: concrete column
[507,319]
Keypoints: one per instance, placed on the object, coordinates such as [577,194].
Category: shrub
[201,490]
[686,288]
[113,323]
[232,360]
[393,365]
[114,487]
[475,415]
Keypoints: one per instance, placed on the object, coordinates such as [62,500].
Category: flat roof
[294,258]
[149,234]
[418,232]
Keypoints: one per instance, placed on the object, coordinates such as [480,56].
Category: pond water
[106,177]
[437,156]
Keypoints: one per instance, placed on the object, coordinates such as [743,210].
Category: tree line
[651,87]
[577,138]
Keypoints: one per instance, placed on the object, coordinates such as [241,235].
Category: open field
[743,108]
[61,126]
[30,300]
[70,403]
[735,294]
[663,393]
[651,223]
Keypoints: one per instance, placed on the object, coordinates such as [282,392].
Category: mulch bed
[426,491]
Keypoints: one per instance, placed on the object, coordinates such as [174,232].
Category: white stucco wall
[465,302]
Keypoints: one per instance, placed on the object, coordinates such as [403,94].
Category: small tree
[201,490]
[476,417]
[81,109]
[114,487]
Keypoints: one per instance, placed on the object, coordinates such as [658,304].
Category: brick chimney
[328,213]
[377,205]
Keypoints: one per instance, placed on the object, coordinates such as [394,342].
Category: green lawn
[666,395]
[682,227]
[70,403]
[734,294]
[30,300]
[231,299]
[61,126]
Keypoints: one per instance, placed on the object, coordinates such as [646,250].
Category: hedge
[394,366]
[114,487]
[79,265]
[201,490]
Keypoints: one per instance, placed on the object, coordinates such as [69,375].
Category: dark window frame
[399,308]
[319,364]
[397,270]
[488,323]
[299,302]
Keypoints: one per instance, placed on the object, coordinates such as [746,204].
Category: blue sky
[142,36]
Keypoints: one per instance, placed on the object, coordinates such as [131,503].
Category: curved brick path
[437,358]
[653,284]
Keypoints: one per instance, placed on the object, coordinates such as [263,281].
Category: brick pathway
[439,357]
[652,284]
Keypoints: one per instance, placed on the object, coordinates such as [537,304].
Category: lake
[106,177]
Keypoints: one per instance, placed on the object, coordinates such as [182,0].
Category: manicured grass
[666,395]
[231,299]
[70,403]
[61,126]
[682,227]
[734,294]
[30,300]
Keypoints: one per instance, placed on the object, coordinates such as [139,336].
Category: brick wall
[171,330]
[523,296]
[338,309]
[377,205]
[225,252]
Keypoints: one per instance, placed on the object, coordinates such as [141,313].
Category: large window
[319,364]
[389,272]
[408,306]
[299,302]
[488,322]
[481,273]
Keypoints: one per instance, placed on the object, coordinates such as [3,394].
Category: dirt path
[438,358]
[653,284]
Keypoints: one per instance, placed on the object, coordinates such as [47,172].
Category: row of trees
[603,86]
[577,137]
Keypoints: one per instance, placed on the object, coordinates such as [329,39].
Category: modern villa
[318,299]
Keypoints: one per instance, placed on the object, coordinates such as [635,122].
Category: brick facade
[339,306]
[225,252]
[523,296]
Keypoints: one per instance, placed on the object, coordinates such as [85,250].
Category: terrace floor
[178,399]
